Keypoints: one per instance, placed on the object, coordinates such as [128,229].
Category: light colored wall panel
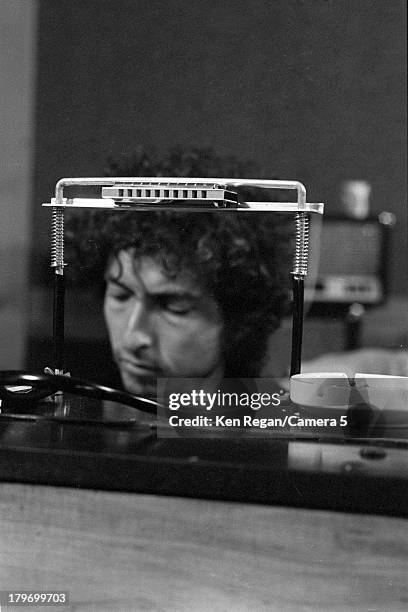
[18,21]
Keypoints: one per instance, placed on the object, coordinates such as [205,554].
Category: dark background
[312,90]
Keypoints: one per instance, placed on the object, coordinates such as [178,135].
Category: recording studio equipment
[354,257]
[353,272]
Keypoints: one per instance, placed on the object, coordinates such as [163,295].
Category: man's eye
[121,297]
[177,306]
[118,295]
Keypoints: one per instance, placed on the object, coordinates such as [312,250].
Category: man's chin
[145,387]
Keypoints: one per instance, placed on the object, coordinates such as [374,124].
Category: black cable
[45,384]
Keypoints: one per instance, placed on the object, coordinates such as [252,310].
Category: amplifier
[353,262]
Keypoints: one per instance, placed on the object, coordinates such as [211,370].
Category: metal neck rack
[186,194]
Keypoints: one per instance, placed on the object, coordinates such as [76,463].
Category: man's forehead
[133,271]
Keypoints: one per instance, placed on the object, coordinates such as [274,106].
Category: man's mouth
[139,368]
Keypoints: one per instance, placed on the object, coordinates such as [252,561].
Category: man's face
[159,326]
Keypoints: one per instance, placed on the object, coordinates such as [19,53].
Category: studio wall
[308,89]
[18,27]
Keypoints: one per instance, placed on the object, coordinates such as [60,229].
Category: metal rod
[297,324]
[58,322]
[57,262]
[109,203]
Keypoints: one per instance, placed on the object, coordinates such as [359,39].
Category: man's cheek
[191,354]
[175,348]
[115,332]
[209,341]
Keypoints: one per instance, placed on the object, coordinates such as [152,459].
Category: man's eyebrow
[174,293]
[165,293]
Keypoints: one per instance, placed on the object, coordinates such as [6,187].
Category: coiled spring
[57,240]
[302,244]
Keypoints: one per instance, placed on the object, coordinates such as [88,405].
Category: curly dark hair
[240,259]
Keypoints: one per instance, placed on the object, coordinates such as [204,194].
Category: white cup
[355,198]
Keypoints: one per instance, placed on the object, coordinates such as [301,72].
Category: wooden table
[119,551]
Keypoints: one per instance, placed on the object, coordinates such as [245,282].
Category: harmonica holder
[185,194]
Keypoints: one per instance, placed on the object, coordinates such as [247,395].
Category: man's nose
[139,329]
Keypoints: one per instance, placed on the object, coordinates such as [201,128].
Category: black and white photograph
[203,306]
